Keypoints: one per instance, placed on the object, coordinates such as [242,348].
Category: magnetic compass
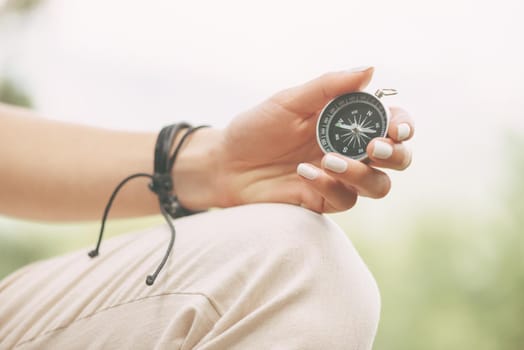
[349,122]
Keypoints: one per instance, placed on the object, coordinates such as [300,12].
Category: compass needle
[351,139]
[362,115]
[367,130]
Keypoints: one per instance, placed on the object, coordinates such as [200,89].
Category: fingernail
[359,69]
[307,171]
[382,150]
[403,131]
[335,164]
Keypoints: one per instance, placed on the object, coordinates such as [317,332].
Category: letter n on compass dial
[349,122]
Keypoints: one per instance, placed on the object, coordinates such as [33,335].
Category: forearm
[59,171]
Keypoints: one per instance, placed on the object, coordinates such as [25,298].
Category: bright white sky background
[137,64]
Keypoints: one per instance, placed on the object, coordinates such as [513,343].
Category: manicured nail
[382,150]
[307,171]
[403,131]
[359,69]
[335,164]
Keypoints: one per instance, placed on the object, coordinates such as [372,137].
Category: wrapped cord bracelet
[161,184]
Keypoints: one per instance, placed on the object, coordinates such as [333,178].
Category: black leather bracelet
[161,184]
[162,181]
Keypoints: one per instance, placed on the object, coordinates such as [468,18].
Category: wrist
[196,170]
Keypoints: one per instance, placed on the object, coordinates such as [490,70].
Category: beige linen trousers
[259,276]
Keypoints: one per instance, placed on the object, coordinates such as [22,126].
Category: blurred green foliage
[21,6]
[11,94]
[456,281]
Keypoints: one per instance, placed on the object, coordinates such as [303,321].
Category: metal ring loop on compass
[385,92]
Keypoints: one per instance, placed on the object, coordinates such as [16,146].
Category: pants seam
[209,300]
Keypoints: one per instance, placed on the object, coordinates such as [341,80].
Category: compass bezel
[327,147]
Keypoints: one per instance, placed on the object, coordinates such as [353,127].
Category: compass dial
[349,122]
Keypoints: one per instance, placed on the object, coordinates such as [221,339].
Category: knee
[312,255]
[278,228]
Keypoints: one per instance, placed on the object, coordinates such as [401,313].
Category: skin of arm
[58,171]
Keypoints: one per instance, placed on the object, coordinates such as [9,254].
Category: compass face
[349,122]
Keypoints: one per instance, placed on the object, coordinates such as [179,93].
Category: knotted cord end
[93,253]
[161,184]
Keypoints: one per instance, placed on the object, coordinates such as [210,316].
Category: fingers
[369,182]
[309,98]
[340,180]
[401,125]
[391,152]
[384,153]
[329,194]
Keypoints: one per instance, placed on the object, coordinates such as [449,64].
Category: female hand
[253,160]
[260,150]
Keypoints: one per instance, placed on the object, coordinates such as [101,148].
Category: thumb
[309,98]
